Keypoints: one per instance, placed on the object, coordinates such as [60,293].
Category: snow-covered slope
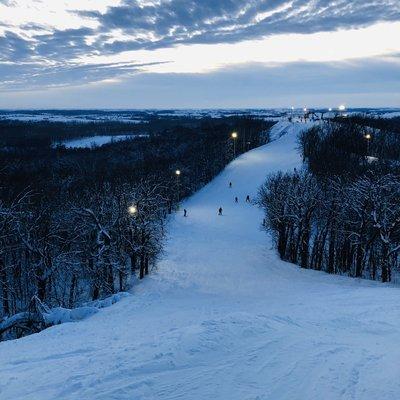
[223,318]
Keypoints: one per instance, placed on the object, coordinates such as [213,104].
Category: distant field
[94,141]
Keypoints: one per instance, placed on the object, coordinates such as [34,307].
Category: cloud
[36,54]
[14,47]
[363,82]
[135,24]
[167,23]
[33,76]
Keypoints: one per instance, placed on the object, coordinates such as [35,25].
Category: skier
[247,199]
[220,211]
[184,212]
[230,185]
[236,200]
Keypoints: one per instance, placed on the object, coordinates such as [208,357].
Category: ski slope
[222,318]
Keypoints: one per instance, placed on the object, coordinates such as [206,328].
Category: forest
[341,212]
[78,225]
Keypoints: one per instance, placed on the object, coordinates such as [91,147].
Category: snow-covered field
[132,116]
[37,116]
[222,318]
[144,116]
[93,141]
[394,114]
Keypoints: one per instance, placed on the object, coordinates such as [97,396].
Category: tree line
[80,225]
[340,214]
[349,149]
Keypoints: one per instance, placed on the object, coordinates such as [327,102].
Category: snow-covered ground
[38,116]
[93,141]
[222,318]
[394,114]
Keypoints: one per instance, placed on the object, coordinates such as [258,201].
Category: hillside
[222,317]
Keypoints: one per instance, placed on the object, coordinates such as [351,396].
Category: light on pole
[177,174]
[234,136]
[305,111]
[368,137]
[132,210]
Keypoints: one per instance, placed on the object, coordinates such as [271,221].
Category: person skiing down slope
[247,199]
[220,211]
[184,212]
[236,200]
[230,185]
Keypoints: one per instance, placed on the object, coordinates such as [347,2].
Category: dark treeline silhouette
[349,149]
[341,214]
[385,124]
[45,133]
[79,225]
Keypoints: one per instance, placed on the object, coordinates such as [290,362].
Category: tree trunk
[359,262]
[4,288]
[71,300]
[386,272]
[141,272]
[305,246]
[121,280]
[331,254]
[96,291]
[41,288]
[133,262]
[282,241]
[110,278]
[146,265]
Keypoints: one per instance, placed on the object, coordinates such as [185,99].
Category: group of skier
[220,209]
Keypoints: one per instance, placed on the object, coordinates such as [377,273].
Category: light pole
[368,137]
[132,211]
[177,174]
[234,137]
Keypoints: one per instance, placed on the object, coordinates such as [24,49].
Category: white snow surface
[222,318]
[393,114]
[100,140]
[92,141]
[60,315]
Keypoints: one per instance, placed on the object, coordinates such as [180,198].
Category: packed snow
[222,317]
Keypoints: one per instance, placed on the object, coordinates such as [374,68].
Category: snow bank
[108,301]
[60,315]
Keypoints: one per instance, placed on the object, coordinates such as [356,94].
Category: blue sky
[209,53]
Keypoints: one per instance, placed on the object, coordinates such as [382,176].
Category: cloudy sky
[199,53]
